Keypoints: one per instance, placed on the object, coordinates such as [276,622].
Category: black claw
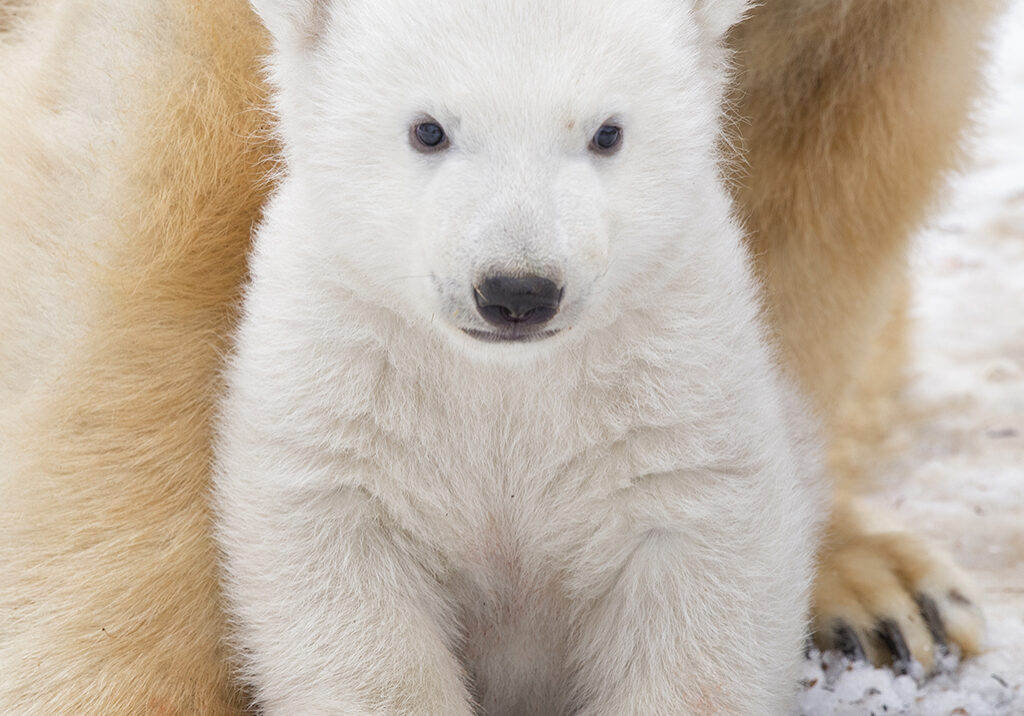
[958,598]
[846,641]
[933,619]
[890,635]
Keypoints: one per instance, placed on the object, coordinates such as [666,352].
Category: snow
[956,466]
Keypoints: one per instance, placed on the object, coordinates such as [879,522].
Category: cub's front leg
[334,613]
[706,615]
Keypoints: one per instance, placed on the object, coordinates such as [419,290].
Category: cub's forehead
[507,46]
[500,22]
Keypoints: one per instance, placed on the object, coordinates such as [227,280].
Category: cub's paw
[888,597]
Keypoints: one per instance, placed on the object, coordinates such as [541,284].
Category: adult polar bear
[501,432]
[136,121]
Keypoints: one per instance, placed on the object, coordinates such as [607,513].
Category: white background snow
[956,470]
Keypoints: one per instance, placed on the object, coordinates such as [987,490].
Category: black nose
[506,301]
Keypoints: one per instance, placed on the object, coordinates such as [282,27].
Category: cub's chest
[514,616]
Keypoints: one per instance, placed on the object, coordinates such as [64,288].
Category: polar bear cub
[502,434]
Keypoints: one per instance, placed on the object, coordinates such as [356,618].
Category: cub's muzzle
[510,302]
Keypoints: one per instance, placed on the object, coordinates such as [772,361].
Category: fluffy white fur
[618,519]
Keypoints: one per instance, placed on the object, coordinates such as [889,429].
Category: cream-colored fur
[120,273]
[852,112]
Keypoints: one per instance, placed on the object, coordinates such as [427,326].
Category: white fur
[618,519]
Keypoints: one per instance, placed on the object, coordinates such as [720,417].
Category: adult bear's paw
[888,597]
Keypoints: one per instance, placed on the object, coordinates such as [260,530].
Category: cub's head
[504,170]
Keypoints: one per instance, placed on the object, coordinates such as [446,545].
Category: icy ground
[957,471]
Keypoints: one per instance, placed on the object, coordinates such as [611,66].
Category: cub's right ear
[294,23]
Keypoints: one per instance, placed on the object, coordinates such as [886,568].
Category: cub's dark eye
[428,137]
[607,139]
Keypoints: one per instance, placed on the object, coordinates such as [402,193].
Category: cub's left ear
[294,22]
[718,16]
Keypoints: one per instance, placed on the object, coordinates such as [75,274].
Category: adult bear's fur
[109,598]
[851,114]
[124,253]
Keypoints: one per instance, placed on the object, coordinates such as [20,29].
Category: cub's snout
[516,306]
[510,302]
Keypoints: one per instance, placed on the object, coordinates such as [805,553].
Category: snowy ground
[957,472]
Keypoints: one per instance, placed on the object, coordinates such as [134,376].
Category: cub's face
[508,171]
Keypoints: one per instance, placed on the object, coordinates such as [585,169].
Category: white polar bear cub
[502,434]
